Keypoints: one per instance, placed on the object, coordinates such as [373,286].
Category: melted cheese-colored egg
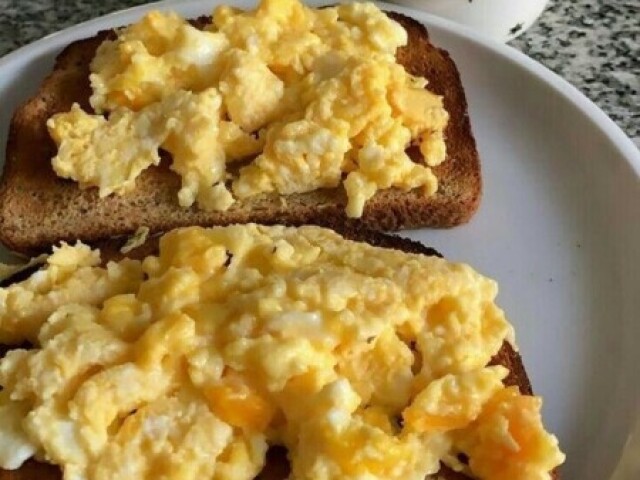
[364,362]
[314,98]
[453,401]
[508,439]
[325,448]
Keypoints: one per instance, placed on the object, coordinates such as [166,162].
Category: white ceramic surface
[559,228]
[502,20]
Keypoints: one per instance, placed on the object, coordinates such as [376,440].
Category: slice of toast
[37,208]
[277,464]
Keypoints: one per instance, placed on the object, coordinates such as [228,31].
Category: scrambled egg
[363,362]
[308,98]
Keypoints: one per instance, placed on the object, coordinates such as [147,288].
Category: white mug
[500,19]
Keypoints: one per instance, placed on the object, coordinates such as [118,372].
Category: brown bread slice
[37,208]
[277,464]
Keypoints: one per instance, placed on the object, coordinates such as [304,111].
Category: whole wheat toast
[37,208]
[277,467]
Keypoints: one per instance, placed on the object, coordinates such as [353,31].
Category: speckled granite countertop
[594,44]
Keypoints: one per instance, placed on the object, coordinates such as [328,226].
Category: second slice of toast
[277,465]
[37,208]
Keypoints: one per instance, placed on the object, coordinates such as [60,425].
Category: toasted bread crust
[277,464]
[37,208]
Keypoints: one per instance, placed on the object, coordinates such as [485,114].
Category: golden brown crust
[277,464]
[37,208]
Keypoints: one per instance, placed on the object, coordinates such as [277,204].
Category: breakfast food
[363,361]
[319,89]
[282,114]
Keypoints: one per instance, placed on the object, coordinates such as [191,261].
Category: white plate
[559,227]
